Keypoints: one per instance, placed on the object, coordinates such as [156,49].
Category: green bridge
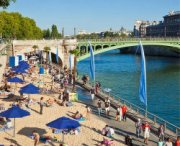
[101,46]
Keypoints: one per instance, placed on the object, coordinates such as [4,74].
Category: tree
[46,34]
[54,32]
[15,26]
[5,3]
[74,52]
[35,47]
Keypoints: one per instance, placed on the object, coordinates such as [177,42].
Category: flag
[142,87]
[57,55]
[50,59]
[92,63]
[71,60]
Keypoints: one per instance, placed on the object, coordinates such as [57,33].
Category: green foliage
[47,49]
[51,34]
[15,26]
[74,52]
[5,3]
[35,46]
[105,35]
[46,34]
[54,32]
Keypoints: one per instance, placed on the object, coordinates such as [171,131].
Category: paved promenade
[122,128]
[129,126]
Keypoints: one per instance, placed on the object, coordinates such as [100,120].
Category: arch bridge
[101,46]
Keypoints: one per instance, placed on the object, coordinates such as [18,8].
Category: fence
[156,119]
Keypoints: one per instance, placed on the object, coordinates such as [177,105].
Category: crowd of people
[65,79]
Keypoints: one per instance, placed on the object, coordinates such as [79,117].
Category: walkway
[121,128]
[132,115]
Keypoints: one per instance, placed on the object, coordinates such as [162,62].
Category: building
[83,32]
[170,27]
[140,28]
[155,29]
[172,24]
[136,28]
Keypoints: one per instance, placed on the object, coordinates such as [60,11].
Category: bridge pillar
[69,44]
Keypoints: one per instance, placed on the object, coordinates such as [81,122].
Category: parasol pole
[14,127]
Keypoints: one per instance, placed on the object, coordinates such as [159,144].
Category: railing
[130,39]
[155,119]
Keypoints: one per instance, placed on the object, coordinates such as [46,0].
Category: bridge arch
[98,47]
[83,49]
[106,46]
[53,56]
[124,45]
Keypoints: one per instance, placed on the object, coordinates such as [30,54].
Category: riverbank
[121,73]
[90,130]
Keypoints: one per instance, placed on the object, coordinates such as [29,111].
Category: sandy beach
[90,129]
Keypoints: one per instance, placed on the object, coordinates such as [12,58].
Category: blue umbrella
[30,89]
[64,123]
[15,80]
[24,65]
[19,70]
[14,112]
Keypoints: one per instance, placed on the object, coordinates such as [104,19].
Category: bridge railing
[154,118]
[130,39]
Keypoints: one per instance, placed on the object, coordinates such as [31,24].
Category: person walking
[92,91]
[168,142]
[88,112]
[161,132]
[99,107]
[124,111]
[119,114]
[177,141]
[146,128]
[41,103]
[138,127]
[107,107]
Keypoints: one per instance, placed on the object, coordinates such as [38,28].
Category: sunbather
[77,115]
[106,142]
[49,102]
[36,138]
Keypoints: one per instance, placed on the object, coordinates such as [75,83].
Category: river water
[121,73]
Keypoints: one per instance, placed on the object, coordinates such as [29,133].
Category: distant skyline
[92,15]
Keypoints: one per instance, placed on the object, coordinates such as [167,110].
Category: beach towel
[81,119]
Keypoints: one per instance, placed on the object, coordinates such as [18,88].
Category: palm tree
[47,49]
[35,47]
[74,52]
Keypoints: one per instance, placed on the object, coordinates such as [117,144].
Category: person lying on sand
[106,142]
[36,138]
[49,102]
[77,115]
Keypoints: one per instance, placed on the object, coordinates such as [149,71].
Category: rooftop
[172,13]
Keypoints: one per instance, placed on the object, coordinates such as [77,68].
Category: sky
[92,15]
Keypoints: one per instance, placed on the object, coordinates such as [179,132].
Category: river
[121,73]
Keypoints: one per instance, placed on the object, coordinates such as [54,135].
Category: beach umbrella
[15,80]
[30,89]
[19,70]
[24,65]
[14,112]
[64,123]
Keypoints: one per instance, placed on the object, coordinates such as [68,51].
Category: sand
[90,129]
